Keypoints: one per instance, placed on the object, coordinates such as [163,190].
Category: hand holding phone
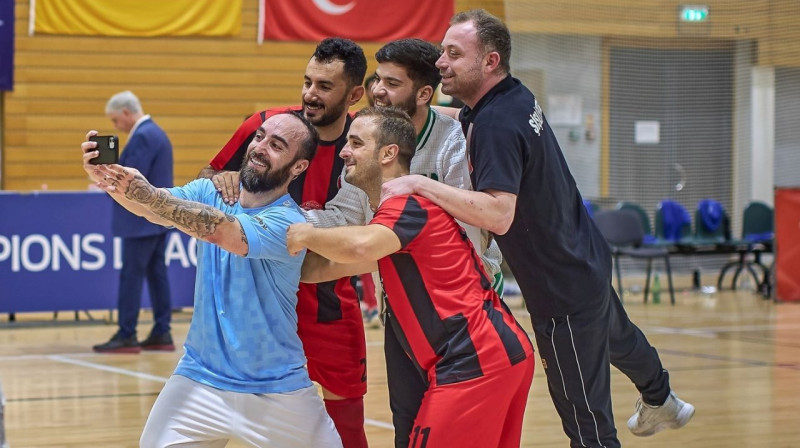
[108,146]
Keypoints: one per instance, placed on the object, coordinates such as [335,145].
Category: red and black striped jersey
[451,322]
[318,184]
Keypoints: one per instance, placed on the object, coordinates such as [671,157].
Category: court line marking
[81,397]
[378,423]
[701,333]
[750,327]
[745,361]
[105,368]
[144,376]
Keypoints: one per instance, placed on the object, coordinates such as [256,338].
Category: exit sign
[694,13]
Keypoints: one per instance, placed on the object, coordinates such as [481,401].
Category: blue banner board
[57,253]
[6,45]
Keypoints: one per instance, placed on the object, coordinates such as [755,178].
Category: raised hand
[129,182]
[89,152]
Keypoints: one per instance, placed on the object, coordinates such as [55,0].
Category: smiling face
[395,88]
[325,92]
[361,154]
[462,61]
[273,157]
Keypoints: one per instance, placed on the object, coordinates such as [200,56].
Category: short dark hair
[394,126]
[308,147]
[347,51]
[417,56]
[492,33]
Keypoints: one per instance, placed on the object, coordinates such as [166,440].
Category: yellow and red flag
[144,18]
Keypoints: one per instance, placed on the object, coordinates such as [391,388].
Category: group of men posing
[277,211]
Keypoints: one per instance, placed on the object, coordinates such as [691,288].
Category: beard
[270,179]
[331,114]
[408,106]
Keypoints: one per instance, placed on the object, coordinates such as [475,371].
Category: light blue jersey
[243,335]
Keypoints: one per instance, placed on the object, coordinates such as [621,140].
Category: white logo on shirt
[537,119]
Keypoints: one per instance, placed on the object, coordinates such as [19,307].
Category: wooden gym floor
[735,356]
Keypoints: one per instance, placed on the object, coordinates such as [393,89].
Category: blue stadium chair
[710,224]
[672,222]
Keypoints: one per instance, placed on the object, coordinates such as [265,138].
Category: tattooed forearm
[197,219]
[141,191]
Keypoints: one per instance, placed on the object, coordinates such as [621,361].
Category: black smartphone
[108,145]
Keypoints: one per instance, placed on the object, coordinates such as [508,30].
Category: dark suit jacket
[149,151]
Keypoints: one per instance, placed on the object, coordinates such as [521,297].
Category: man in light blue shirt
[242,375]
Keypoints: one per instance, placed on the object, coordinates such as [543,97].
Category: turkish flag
[359,20]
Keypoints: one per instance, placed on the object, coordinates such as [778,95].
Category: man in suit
[143,243]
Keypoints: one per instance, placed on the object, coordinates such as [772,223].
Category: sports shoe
[648,420]
[119,344]
[162,342]
[372,318]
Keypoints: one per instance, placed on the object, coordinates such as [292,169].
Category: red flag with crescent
[359,20]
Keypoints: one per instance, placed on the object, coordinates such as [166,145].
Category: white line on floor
[91,365]
[67,359]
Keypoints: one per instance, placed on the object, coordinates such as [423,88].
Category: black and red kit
[474,355]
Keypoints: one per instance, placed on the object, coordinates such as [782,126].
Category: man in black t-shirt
[557,255]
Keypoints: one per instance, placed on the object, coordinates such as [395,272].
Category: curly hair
[347,51]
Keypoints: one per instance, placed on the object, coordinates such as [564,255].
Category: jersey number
[425,432]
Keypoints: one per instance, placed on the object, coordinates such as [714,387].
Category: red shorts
[330,325]
[485,411]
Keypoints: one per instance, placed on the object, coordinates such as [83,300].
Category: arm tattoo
[244,236]
[241,227]
[197,219]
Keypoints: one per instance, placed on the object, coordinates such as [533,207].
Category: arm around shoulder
[317,268]
[492,210]
[346,245]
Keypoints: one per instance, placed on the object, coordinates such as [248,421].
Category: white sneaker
[648,420]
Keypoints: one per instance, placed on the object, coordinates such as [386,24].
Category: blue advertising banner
[57,253]
[6,45]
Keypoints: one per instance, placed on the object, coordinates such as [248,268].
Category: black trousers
[143,259]
[406,385]
[577,351]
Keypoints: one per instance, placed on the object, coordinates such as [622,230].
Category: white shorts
[187,413]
